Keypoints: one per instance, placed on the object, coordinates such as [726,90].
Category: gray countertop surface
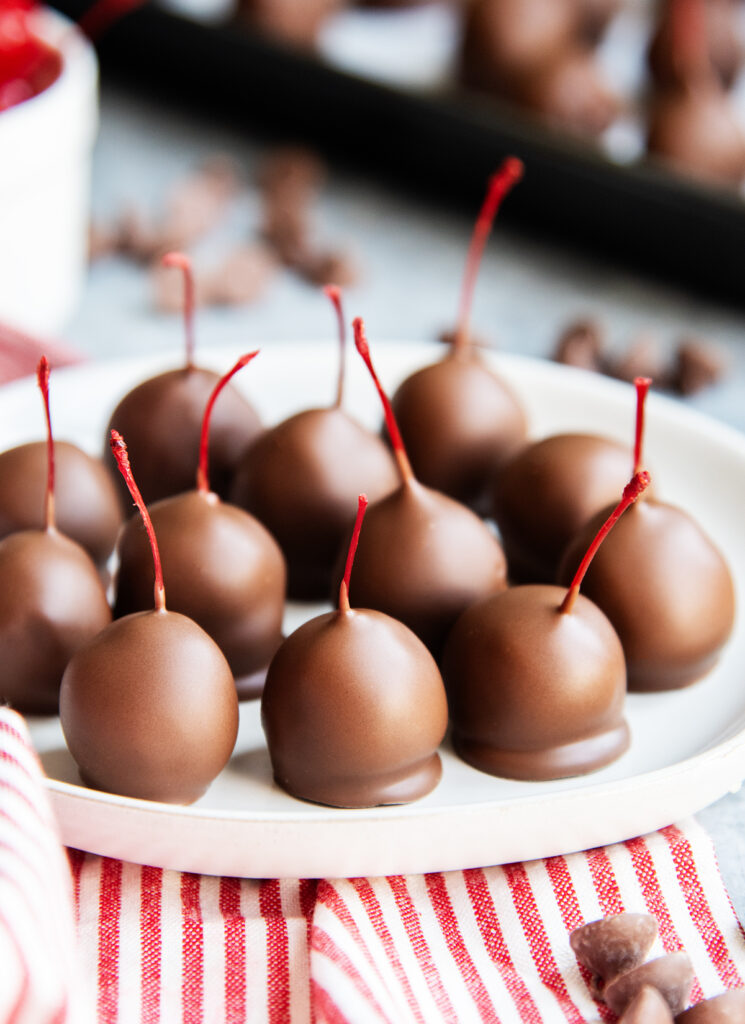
[412,258]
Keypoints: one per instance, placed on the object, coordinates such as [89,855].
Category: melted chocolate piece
[221,567]
[697,131]
[612,945]
[647,1007]
[671,975]
[423,558]
[728,1008]
[51,602]
[354,710]
[546,494]
[149,710]
[301,479]
[87,507]
[534,693]
[665,587]
[162,422]
[459,422]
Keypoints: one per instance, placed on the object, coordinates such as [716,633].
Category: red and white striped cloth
[482,945]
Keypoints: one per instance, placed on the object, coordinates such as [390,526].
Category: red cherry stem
[631,492]
[334,295]
[119,450]
[203,479]
[344,587]
[499,185]
[642,385]
[181,262]
[394,433]
[42,377]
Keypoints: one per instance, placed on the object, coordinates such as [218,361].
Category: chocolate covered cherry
[536,679]
[301,478]
[354,708]
[148,707]
[423,557]
[162,421]
[222,567]
[458,419]
[663,584]
[51,600]
[87,506]
[545,495]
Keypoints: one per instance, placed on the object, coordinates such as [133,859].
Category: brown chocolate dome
[546,494]
[148,708]
[459,422]
[162,421]
[665,587]
[423,558]
[51,602]
[535,693]
[301,479]
[88,509]
[221,568]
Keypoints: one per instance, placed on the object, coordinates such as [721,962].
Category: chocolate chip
[242,277]
[330,268]
[728,1008]
[698,365]
[671,975]
[612,945]
[647,1007]
[641,359]
[581,344]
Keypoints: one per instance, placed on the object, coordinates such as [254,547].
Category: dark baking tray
[440,145]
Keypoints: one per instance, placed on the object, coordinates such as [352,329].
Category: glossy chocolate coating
[696,130]
[546,494]
[571,92]
[51,602]
[354,710]
[221,567]
[647,1007]
[534,693]
[671,975]
[423,558]
[87,506]
[728,1008]
[459,422]
[725,51]
[149,710]
[612,945]
[505,42]
[301,479]
[665,587]
[161,421]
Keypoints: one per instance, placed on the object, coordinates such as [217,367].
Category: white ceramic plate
[688,747]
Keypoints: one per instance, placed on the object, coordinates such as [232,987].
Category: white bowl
[46,144]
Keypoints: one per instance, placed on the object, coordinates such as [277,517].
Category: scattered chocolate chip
[698,365]
[728,1008]
[291,171]
[671,975]
[581,344]
[613,945]
[242,277]
[641,359]
[330,268]
[286,230]
[647,1007]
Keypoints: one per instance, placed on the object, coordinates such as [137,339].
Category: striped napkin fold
[489,944]
[20,352]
